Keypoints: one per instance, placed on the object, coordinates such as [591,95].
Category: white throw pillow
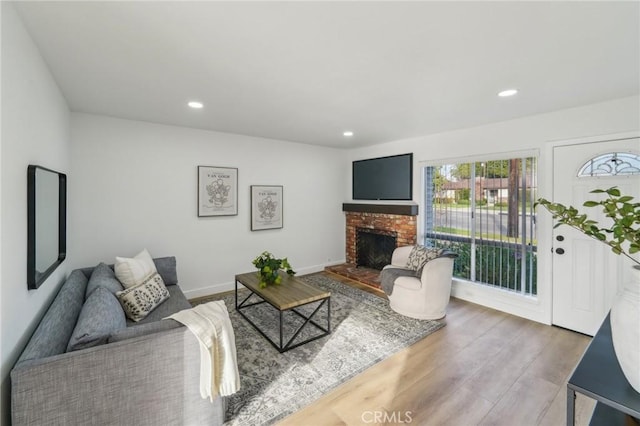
[133,271]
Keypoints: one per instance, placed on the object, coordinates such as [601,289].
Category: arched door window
[611,164]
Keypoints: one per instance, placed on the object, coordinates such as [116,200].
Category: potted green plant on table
[269,268]
[623,236]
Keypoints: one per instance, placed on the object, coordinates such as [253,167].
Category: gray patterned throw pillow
[419,257]
[138,301]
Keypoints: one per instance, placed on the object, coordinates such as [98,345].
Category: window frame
[527,246]
[601,158]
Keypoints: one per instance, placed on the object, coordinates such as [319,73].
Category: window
[484,212]
[611,164]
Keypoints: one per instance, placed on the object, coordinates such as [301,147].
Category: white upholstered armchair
[424,297]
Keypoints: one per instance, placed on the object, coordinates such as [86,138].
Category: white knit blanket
[211,325]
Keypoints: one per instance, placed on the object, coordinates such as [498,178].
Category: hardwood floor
[484,367]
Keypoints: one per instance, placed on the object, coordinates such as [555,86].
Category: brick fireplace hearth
[399,220]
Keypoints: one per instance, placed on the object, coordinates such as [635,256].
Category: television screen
[385,178]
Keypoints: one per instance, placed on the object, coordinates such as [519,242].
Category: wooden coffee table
[290,294]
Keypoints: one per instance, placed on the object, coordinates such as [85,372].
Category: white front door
[586,274]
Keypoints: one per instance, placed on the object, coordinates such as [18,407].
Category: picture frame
[266,207]
[217,191]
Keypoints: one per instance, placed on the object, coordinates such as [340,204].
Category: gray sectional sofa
[145,373]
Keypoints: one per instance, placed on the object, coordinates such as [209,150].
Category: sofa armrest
[400,256]
[151,379]
[439,269]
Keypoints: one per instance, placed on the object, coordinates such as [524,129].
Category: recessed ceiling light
[506,93]
[195,104]
[348,133]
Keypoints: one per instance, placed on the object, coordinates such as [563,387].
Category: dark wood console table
[598,376]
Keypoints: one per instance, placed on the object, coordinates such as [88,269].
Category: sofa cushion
[166,267]
[409,283]
[101,315]
[138,301]
[135,270]
[55,328]
[389,275]
[138,329]
[103,276]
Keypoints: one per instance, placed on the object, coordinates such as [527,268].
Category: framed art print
[266,207]
[217,191]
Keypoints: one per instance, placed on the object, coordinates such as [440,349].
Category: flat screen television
[384,178]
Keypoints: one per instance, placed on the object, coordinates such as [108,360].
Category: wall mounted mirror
[46,222]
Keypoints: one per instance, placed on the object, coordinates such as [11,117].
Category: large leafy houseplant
[269,267]
[623,236]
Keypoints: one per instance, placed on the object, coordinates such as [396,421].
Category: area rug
[273,385]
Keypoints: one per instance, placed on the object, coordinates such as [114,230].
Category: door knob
[560,250]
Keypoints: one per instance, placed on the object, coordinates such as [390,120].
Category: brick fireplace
[386,219]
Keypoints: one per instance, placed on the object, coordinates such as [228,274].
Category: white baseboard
[230,286]
[502,300]
[210,290]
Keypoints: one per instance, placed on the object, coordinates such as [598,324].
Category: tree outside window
[484,211]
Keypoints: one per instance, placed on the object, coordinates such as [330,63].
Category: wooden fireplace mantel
[400,209]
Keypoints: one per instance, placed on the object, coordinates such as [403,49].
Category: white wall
[35,130]
[529,133]
[133,185]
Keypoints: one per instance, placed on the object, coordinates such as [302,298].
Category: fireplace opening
[374,248]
